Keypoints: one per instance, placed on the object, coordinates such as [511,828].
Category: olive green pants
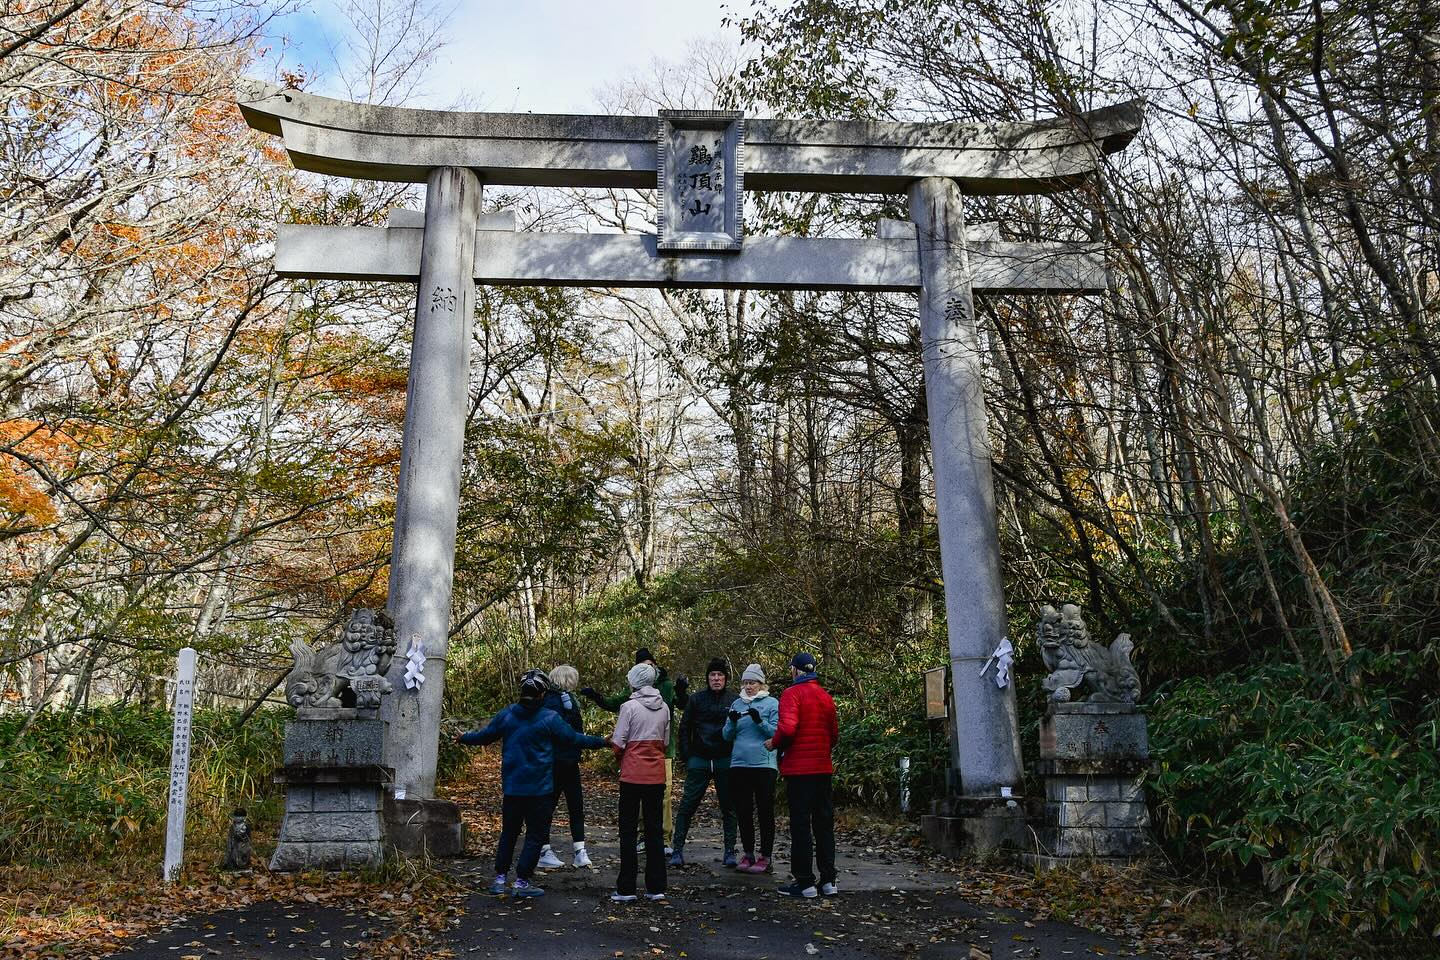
[698,774]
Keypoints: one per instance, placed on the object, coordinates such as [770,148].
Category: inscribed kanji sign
[701,170]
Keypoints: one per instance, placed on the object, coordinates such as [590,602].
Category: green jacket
[667,693]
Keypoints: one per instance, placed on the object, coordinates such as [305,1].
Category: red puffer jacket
[808,730]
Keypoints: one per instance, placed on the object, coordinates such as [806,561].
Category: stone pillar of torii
[701,163]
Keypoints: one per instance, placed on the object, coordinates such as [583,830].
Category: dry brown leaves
[87,911]
[91,912]
[1155,912]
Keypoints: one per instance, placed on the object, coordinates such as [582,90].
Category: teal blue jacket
[748,736]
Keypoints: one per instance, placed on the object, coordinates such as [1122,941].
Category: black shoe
[796,890]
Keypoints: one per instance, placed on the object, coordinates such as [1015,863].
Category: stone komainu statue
[327,677]
[1078,664]
[237,845]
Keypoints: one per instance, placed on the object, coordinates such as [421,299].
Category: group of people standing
[739,742]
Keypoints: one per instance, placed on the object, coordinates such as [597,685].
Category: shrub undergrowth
[1315,790]
[94,787]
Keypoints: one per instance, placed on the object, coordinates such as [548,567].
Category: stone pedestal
[424,828]
[333,778]
[1092,756]
[975,826]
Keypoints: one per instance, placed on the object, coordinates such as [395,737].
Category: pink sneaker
[761,865]
[746,862]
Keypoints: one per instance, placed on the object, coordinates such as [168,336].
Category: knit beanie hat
[642,655]
[718,665]
[641,675]
[753,672]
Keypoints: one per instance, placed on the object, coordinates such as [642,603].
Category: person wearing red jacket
[805,737]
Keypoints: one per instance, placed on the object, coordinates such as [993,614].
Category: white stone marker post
[987,732]
[179,763]
[427,505]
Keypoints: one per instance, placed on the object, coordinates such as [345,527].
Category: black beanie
[718,664]
[642,655]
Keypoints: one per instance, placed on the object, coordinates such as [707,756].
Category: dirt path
[894,903]
[889,910]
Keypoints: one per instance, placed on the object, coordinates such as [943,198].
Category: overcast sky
[534,56]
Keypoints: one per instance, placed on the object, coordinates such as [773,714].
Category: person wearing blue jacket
[751,721]
[531,734]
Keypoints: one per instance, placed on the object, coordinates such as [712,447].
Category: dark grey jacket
[702,731]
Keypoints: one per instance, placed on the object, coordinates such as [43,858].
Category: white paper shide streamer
[1003,656]
[415,664]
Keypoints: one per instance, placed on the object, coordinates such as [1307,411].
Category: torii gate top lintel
[369,142]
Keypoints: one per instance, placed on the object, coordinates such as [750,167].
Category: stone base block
[1098,815]
[976,826]
[1093,732]
[291,855]
[1092,756]
[424,828]
[330,827]
[334,741]
[333,780]
[1092,841]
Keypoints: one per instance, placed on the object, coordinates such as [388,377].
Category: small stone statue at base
[237,846]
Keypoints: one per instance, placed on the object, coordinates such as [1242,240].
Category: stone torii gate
[702,162]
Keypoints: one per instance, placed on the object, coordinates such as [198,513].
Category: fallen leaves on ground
[85,912]
[1155,912]
[89,911]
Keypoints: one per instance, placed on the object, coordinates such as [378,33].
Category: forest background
[1232,456]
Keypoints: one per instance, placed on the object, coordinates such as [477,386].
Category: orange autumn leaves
[23,497]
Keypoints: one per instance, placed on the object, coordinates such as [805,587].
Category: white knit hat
[753,672]
[642,675]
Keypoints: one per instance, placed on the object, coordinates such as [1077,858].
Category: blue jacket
[568,706]
[530,733]
[748,736]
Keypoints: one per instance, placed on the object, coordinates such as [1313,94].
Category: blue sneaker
[730,858]
[796,890]
[497,889]
[677,859]
[523,888]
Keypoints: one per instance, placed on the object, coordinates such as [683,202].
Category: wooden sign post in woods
[703,162]
[179,763]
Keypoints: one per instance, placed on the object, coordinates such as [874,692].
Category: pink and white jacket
[641,732]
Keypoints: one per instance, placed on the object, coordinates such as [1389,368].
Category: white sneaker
[654,896]
[828,889]
[548,860]
[582,860]
[624,897]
